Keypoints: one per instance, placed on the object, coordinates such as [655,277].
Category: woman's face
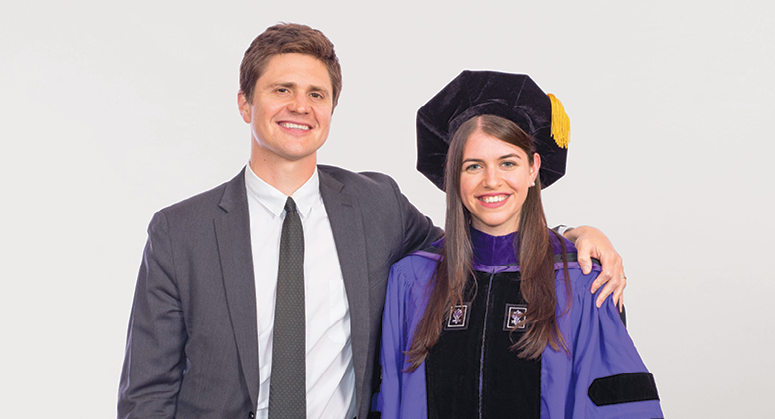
[494,182]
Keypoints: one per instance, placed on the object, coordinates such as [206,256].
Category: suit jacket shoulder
[227,196]
[365,182]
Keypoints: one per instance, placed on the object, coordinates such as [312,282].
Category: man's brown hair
[285,38]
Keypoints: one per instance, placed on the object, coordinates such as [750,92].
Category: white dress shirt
[330,374]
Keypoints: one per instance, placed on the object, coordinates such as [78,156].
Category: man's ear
[244,107]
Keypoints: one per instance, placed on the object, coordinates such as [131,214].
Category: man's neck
[285,176]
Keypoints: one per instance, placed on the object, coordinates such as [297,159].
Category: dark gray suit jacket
[192,345]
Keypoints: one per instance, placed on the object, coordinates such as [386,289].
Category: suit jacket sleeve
[154,358]
[419,231]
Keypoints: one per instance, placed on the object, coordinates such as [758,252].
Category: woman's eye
[471,167]
[509,164]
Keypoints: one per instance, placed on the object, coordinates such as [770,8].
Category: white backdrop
[113,110]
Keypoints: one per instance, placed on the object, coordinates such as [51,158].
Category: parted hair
[454,270]
[286,38]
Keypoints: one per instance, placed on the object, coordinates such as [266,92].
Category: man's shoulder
[208,201]
[352,179]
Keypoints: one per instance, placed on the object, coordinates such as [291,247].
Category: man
[200,336]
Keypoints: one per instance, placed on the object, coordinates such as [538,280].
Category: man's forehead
[297,70]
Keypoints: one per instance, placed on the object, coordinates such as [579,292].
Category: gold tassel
[560,123]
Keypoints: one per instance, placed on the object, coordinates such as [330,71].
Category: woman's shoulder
[560,243]
[418,267]
[578,279]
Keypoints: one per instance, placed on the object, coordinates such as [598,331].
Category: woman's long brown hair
[454,270]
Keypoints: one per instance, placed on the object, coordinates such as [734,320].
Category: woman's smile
[494,182]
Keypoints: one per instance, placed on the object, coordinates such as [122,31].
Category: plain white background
[113,110]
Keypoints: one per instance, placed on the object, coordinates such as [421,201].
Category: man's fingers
[619,293]
[611,262]
[616,287]
[618,297]
[601,280]
[586,268]
[592,243]
[585,262]
[610,287]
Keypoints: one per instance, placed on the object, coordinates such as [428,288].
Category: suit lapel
[345,217]
[232,231]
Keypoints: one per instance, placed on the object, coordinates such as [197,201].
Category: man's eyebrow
[283,84]
[291,85]
[314,88]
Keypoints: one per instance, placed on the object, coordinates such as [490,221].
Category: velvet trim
[504,250]
[623,388]
[494,250]
[500,253]
[471,372]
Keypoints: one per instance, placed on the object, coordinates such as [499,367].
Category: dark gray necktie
[287,385]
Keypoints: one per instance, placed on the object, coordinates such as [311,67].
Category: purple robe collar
[498,253]
[491,251]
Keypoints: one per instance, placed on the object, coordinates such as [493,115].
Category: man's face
[291,111]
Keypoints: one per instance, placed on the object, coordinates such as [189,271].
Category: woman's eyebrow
[512,155]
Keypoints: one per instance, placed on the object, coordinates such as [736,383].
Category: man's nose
[299,103]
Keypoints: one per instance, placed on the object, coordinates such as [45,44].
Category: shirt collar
[273,200]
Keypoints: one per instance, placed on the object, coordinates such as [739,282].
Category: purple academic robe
[602,377]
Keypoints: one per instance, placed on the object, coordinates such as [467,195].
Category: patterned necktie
[287,384]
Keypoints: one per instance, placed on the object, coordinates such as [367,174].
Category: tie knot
[290,206]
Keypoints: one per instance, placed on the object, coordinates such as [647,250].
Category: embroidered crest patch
[514,313]
[458,318]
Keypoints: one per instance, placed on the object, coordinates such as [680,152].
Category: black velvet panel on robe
[471,372]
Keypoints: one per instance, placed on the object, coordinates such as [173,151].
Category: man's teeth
[294,126]
[492,199]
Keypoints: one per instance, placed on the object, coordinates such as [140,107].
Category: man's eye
[316,95]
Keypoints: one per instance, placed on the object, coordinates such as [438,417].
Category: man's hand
[592,243]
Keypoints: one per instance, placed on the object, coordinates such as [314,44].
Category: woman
[496,320]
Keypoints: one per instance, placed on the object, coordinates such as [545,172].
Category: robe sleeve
[388,400]
[402,394]
[608,377]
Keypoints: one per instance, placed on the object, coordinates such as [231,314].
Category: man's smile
[292,125]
